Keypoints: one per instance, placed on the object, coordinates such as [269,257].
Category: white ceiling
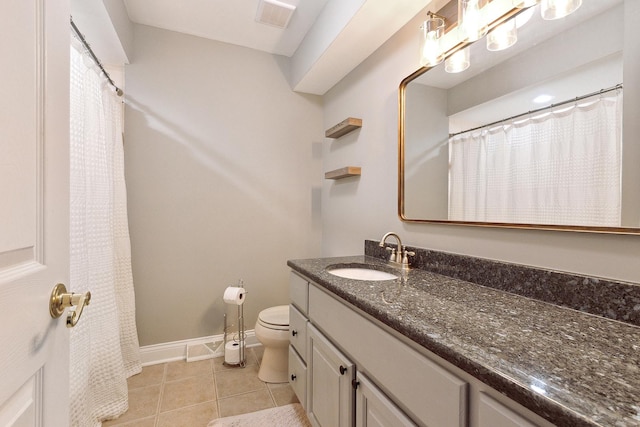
[229,21]
[325,39]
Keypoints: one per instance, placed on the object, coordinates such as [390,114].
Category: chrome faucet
[401,255]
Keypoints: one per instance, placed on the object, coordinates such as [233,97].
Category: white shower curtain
[562,167]
[104,344]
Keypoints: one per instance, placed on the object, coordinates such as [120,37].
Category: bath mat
[292,415]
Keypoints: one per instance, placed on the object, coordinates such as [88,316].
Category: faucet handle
[405,258]
[392,257]
[411,253]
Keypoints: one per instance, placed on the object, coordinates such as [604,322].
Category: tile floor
[192,394]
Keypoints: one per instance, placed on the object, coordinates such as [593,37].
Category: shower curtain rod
[576,99]
[119,91]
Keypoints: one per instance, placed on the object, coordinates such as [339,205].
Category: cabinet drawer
[298,331]
[299,292]
[298,376]
[418,385]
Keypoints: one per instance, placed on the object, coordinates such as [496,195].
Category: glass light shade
[556,9]
[503,36]
[458,62]
[471,21]
[431,33]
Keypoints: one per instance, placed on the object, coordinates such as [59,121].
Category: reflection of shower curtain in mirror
[560,167]
[104,344]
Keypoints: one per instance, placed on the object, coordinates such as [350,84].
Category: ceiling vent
[275,13]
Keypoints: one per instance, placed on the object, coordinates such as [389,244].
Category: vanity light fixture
[458,62]
[431,33]
[503,36]
[472,25]
[556,9]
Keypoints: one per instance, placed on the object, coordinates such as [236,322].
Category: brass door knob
[61,299]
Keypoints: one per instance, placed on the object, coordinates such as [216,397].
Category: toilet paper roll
[234,295]
[232,353]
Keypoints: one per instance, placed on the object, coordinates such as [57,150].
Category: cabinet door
[374,409]
[330,394]
[492,413]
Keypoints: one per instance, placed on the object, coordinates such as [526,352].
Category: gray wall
[223,170]
[367,208]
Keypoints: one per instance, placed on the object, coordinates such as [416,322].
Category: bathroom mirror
[584,53]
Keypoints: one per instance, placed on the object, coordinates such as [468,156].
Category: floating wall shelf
[345,172]
[343,128]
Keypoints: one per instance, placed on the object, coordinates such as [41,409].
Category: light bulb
[431,32]
[471,22]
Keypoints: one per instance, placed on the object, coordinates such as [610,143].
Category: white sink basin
[359,273]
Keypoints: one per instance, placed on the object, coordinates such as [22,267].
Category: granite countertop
[570,367]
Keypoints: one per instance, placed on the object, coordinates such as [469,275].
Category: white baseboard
[177,350]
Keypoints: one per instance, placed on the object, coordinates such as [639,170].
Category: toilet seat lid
[278,315]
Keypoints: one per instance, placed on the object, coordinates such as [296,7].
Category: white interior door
[34,210]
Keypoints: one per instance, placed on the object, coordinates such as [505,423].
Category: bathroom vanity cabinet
[325,379]
[319,373]
[329,382]
[348,369]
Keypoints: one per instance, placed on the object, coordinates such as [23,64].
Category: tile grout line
[273,399]
[164,377]
[215,389]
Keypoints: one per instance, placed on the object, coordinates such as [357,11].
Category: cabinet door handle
[293,377]
[343,370]
[294,332]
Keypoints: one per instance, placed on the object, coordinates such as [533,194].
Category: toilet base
[274,367]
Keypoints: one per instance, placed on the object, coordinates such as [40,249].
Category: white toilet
[272,330]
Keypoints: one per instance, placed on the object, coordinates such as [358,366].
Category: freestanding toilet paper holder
[234,350]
